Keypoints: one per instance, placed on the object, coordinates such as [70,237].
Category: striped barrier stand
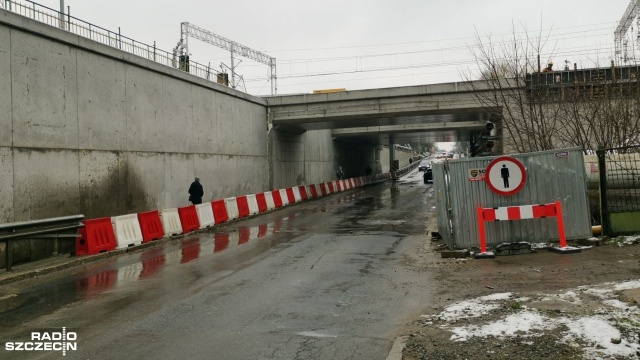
[284,197]
[171,222]
[232,208]
[188,218]
[252,202]
[277,198]
[150,225]
[271,204]
[243,206]
[261,200]
[220,211]
[509,213]
[338,186]
[126,228]
[205,215]
[95,237]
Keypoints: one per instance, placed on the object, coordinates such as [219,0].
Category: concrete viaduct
[91,129]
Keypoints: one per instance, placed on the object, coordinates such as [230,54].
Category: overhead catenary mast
[189,30]
[620,39]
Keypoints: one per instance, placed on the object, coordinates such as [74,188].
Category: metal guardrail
[405,170]
[59,227]
[114,39]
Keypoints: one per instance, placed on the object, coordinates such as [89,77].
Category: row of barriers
[119,232]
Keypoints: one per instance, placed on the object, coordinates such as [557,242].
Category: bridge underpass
[405,115]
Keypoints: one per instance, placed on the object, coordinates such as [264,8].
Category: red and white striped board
[521,212]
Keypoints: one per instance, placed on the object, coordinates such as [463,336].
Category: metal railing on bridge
[110,38]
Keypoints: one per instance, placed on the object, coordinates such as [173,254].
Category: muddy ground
[528,276]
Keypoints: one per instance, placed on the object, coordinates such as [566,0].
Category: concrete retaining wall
[89,129]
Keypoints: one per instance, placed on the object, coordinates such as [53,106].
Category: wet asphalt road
[333,278]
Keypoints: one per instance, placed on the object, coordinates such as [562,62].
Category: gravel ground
[585,313]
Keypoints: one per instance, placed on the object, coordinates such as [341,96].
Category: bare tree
[545,111]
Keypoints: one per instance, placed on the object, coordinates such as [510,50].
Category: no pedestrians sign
[505,176]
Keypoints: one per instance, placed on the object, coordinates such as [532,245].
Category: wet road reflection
[203,258]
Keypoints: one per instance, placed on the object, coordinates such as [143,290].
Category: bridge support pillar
[392,155]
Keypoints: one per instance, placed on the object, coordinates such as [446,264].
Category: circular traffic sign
[505,175]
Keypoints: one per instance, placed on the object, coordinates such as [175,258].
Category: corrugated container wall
[551,176]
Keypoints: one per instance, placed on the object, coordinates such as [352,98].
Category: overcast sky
[360,44]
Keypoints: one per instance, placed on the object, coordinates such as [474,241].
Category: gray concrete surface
[339,277]
[94,130]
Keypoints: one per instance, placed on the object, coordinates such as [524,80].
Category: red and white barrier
[188,218]
[127,230]
[150,225]
[509,213]
[171,222]
[243,206]
[261,200]
[253,204]
[205,215]
[269,198]
[284,197]
[232,208]
[296,194]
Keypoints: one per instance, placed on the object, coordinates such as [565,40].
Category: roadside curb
[396,350]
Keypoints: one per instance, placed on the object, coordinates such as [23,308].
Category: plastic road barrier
[243,206]
[171,222]
[252,202]
[331,187]
[284,197]
[220,211]
[127,230]
[323,189]
[303,192]
[188,218]
[291,196]
[268,196]
[232,208]
[277,198]
[150,225]
[95,237]
[313,192]
[205,215]
[261,199]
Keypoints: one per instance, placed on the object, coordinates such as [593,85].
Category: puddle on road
[106,275]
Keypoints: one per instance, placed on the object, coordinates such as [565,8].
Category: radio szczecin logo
[46,341]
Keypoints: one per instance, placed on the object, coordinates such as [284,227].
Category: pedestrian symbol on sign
[505,176]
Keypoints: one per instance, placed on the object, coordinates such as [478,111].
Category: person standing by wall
[340,173]
[196,192]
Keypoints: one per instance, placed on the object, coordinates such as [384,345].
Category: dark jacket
[196,192]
